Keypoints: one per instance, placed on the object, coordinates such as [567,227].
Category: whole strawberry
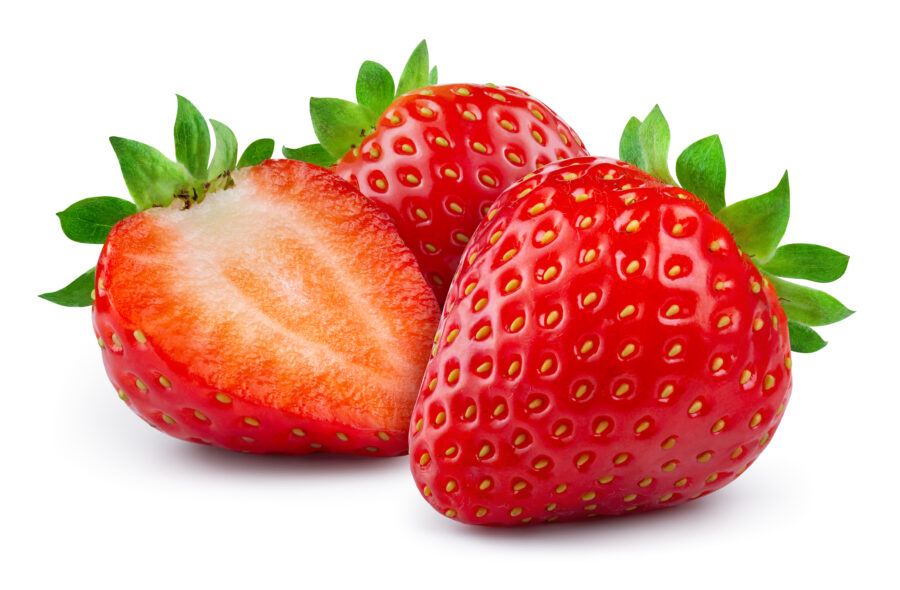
[435,157]
[608,346]
[268,309]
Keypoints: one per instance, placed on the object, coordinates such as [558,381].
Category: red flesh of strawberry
[441,155]
[605,348]
[281,315]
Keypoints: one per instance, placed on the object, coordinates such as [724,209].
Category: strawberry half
[608,346]
[279,313]
[435,157]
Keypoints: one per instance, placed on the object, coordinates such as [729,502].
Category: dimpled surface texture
[605,348]
[439,157]
[282,315]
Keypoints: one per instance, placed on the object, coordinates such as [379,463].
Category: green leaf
[225,156]
[340,125]
[151,178]
[191,138]
[433,76]
[654,138]
[257,152]
[809,306]
[758,224]
[807,261]
[630,144]
[803,338]
[88,221]
[701,170]
[415,74]
[314,154]
[374,86]
[75,294]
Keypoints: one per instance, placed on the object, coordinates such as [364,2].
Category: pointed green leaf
[88,221]
[630,144]
[75,294]
[314,154]
[151,178]
[191,138]
[803,338]
[340,125]
[257,152]
[433,76]
[807,261]
[758,224]
[225,156]
[374,86]
[415,74]
[654,137]
[701,170]
[809,306]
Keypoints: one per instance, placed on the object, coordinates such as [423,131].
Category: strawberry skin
[282,315]
[606,347]
[440,155]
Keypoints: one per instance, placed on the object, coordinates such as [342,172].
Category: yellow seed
[515,159]
[535,404]
[620,458]
[463,91]
[669,443]
[569,176]
[755,420]
[586,222]
[606,479]
[633,226]
[141,385]
[407,148]
[550,273]
[374,153]
[426,112]
[675,350]
[394,119]
[581,197]
[536,208]
[479,147]
[537,137]
[764,439]
[164,382]
[590,255]
[723,321]
[479,305]
[507,125]
[537,114]
[546,365]
[116,341]
[541,463]
[381,184]
[100,342]
[632,267]
[468,115]
[139,336]
[552,317]
[601,427]
[523,193]
[421,214]
[516,511]
[714,246]
[519,486]
[517,324]
[627,311]
[622,390]
[745,376]
[485,484]
[498,96]
[469,288]
[582,459]
[667,391]
[757,324]
[451,485]
[452,336]
[641,427]
[298,431]
[788,363]
[779,410]
[550,507]
[168,419]
[200,416]
[440,418]
[484,367]
[509,254]
[737,452]
[674,271]
[481,512]
[768,382]
[677,229]
[629,348]
[704,457]
[450,512]
[424,459]
[719,286]
[512,285]
[499,409]
[712,478]
[588,496]
[412,179]
[520,439]
[431,247]
[488,180]
[252,421]
[645,482]
[579,393]
[630,497]
[495,236]
[453,376]
[122,395]
[718,426]
[450,173]
[680,483]
[513,368]
[432,384]
[342,436]
[483,333]
[695,407]
[673,309]
[630,198]
[667,497]
[669,466]
[564,139]
[717,363]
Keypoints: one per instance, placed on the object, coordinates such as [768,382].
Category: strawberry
[613,342]
[435,156]
[269,309]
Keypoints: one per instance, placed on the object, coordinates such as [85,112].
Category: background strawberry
[279,313]
[609,344]
[434,157]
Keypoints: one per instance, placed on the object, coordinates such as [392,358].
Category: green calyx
[758,224]
[341,125]
[153,180]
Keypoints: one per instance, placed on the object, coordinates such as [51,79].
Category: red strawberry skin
[605,348]
[439,157]
[283,315]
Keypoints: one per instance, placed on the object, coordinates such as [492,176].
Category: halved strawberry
[281,313]
[435,156]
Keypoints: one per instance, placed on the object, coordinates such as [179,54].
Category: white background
[92,497]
